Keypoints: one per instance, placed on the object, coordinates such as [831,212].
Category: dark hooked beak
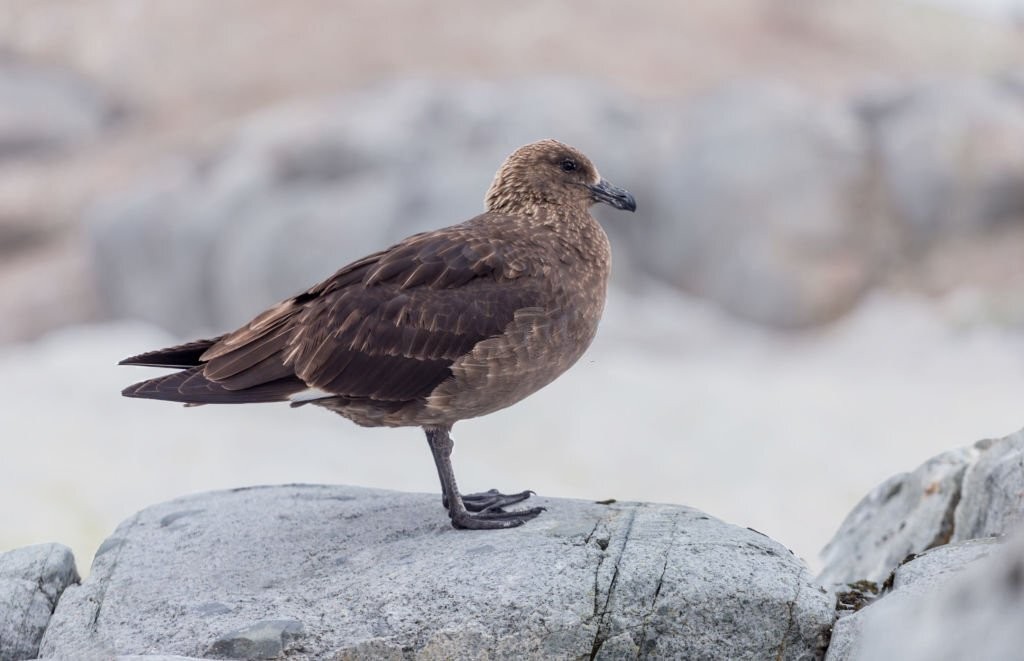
[613,195]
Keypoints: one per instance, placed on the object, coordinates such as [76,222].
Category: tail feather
[191,387]
[182,356]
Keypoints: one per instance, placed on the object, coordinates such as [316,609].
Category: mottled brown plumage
[446,325]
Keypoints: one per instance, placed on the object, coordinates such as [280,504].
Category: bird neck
[579,236]
[513,204]
[535,206]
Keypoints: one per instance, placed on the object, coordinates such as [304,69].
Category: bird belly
[535,349]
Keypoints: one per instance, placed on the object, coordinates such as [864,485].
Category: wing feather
[387,327]
[181,356]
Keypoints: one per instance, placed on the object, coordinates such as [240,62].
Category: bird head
[549,172]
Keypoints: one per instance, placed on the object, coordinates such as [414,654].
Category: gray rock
[913,583]
[949,157]
[32,579]
[964,494]
[974,612]
[764,206]
[299,191]
[148,268]
[921,572]
[908,513]
[341,572]
[992,500]
[262,640]
[44,109]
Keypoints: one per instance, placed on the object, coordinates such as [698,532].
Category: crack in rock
[118,549]
[791,615]
[601,612]
[32,580]
[661,581]
[948,524]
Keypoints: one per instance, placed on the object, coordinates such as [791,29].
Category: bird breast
[540,343]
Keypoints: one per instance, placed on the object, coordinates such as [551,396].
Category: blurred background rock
[824,281]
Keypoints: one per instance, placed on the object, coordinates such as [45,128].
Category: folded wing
[385,328]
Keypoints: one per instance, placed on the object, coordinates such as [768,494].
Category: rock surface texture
[921,569]
[927,571]
[975,613]
[912,584]
[341,572]
[963,494]
[32,579]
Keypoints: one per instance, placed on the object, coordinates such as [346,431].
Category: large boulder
[974,612]
[48,116]
[912,586]
[46,109]
[963,494]
[763,206]
[949,156]
[897,560]
[341,572]
[32,579]
[992,495]
[908,513]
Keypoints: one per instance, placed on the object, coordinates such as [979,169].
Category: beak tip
[614,196]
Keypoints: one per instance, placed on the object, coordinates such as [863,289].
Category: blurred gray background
[824,284]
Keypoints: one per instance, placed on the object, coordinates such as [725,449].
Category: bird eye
[568,165]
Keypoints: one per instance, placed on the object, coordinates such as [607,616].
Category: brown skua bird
[443,326]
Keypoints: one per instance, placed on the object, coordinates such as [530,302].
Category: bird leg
[487,507]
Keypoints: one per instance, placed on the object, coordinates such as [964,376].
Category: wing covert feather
[388,326]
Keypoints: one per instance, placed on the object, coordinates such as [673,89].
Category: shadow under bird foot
[493,519]
[491,500]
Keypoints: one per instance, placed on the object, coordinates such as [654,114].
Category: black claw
[493,520]
[491,500]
